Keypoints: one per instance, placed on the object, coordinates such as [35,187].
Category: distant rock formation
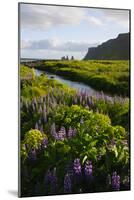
[67,58]
[114,49]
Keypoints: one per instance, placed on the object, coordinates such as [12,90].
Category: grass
[109,76]
[38,86]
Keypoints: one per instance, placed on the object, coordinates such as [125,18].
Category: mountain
[113,49]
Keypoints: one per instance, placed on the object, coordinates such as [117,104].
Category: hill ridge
[113,49]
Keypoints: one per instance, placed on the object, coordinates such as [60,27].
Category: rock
[113,49]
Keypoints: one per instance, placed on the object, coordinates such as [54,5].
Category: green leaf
[114,149]
[84,159]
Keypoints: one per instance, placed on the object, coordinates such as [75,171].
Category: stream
[76,85]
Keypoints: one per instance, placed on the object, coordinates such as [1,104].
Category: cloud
[121,17]
[95,21]
[56,45]
[45,17]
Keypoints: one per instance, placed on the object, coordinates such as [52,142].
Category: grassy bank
[109,76]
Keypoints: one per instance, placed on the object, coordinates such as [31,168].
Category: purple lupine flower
[60,136]
[53,131]
[48,177]
[53,182]
[67,184]
[62,133]
[77,166]
[41,129]
[44,143]
[88,168]
[115,181]
[70,132]
[32,155]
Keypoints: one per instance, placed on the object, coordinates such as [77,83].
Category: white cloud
[116,14]
[121,17]
[45,17]
[95,21]
[55,44]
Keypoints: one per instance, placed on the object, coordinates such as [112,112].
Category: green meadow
[109,76]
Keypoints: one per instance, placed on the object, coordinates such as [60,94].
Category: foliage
[86,142]
[39,86]
[32,140]
[26,73]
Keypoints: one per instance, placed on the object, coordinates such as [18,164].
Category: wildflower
[77,166]
[53,182]
[63,131]
[44,143]
[60,136]
[44,115]
[32,155]
[47,178]
[67,184]
[115,181]
[88,168]
[53,131]
[41,129]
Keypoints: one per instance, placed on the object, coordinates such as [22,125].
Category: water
[76,85]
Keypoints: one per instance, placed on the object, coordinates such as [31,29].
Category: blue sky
[56,31]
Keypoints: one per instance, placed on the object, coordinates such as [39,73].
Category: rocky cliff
[113,49]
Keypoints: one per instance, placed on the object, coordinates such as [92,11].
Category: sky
[50,32]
